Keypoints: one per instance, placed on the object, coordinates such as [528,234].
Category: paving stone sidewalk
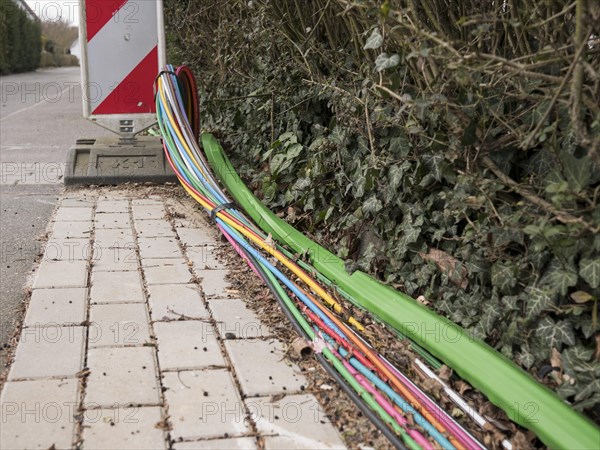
[133,340]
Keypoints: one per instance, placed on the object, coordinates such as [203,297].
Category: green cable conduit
[526,401]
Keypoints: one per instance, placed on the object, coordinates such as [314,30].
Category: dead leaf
[449,265]
[445,373]
[597,354]
[581,297]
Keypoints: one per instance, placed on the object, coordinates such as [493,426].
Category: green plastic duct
[526,401]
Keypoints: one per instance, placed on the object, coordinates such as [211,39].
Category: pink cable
[237,248]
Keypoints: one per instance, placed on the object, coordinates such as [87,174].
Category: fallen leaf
[581,297]
[449,265]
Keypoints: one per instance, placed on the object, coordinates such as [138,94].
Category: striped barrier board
[123,47]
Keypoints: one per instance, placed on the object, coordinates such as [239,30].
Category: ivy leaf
[384,61]
[374,41]
[589,269]
[554,335]
[293,151]
[504,276]
[358,189]
[560,278]
[536,301]
[590,389]
[372,205]
[301,183]
[395,176]
[526,358]
[490,314]
[578,171]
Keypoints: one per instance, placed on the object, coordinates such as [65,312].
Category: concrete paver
[38,414]
[115,259]
[115,238]
[74,214]
[204,257]
[148,211]
[68,249]
[122,376]
[52,274]
[112,220]
[56,307]
[214,283]
[242,443]
[112,206]
[259,369]
[297,419]
[154,228]
[71,229]
[187,344]
[176,301]
[50,351]
[116,287]
[166,271]
[119,324]
[159,247]
[133,428]
[236,321]
[204,404]
[193,237]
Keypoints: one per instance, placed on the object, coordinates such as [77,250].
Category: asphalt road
[40,118]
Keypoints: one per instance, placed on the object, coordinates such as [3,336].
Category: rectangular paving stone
[133,428]
[71,229]
[154,228]
[299,421]
[56,307]
[204,404]
[187,344]
[74,214]
[148,212]
[260,368]
[204,257]
[116,287]
[112,220]
[159,247]
[122,375]
[193,237]
[176,301]
[166,271]
[76,202]
[63,249]
[119,324]
[242,443]
[147,201]
[52,274]
[38,414]
[214,284]
[112,206]
[115,258]
[236,321]
[50,351]
[109,239]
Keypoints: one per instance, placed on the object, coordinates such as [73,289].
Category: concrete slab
[112,206]
[119,324]
[133,428]
[154,228]
[187,344]
[160,247]
[115,259]
[74,214]
[116,287]
[56,307]
[71,230]
[193,237]
[53,274]
[122,376]
[298,419]
[68,249]
[236,321]
[112,220]
[204,257]
[148,211]
[214,283]
[204,404]
[166,271]
[243,443]
[176,301]
[38,414]
[260,369]
[49,351]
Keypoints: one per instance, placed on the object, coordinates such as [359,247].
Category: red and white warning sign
[122,52]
